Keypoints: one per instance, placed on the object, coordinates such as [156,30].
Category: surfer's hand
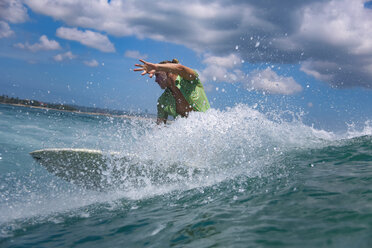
[146,68]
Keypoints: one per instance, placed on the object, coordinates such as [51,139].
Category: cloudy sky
[311,56]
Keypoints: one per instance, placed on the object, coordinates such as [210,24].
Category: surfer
[183,91]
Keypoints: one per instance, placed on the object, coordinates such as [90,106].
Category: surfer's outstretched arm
[151,69]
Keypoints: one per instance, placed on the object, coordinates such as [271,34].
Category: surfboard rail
[96,169]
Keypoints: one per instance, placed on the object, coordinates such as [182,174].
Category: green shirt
[193,92]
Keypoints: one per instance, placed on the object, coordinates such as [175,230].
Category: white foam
[219,145]
[353,131]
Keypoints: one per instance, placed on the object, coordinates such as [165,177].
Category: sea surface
[231,178]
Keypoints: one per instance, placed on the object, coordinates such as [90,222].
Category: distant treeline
[35,103]
[11,100]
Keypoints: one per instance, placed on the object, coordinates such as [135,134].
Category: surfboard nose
[35,155]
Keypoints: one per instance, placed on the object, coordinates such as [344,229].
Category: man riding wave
[183,91]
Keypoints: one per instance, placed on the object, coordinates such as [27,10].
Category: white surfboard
[83,167]
[94,169]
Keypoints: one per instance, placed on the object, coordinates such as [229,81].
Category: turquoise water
[245,180]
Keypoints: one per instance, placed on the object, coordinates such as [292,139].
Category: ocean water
[232,178]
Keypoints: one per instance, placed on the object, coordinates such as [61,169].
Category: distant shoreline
[80,112]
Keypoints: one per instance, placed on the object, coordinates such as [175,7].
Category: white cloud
[62,56]
[87,38]
[269,81]
[313,68]
[91,63]
[340,24]
[135,54]
[222,69]
[286,31]
[44,44]
[228,69]
[5,30]
[230,61]
[13,11]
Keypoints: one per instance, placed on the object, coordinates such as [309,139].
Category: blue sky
[309,56]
